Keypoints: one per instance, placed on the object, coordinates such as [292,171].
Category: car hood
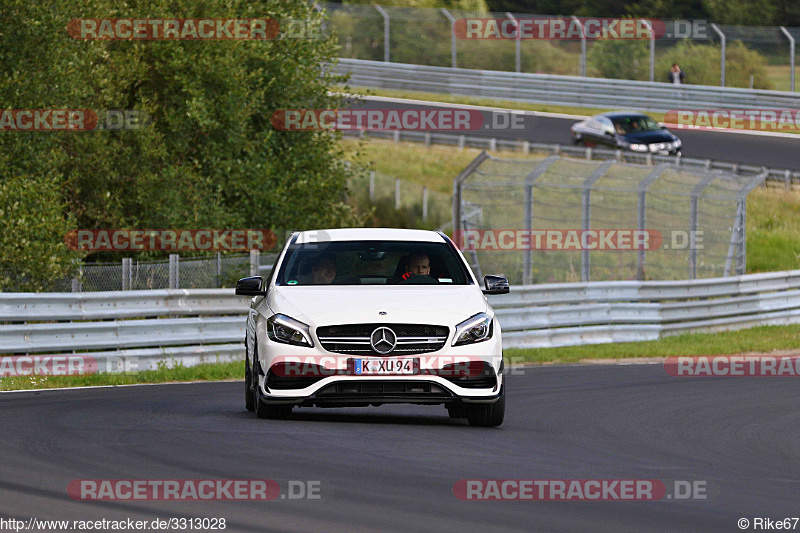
[648,137]
[318,306]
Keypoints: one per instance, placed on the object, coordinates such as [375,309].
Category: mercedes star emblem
[383,340]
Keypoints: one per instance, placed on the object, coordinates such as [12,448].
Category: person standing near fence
[676,75]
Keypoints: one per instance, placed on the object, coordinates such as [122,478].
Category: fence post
[452,20]
[174,271]
[586,211]
[527,257]
[371,185]
[254,262]
[76,281]
[582,66]
[517,61]
[722,55]
[652,50]
[219,269]
[791,53]
[424,203]
[397,193]
[386,26]
[127,274]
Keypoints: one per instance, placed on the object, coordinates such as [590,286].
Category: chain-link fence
[742,56]
[558,219]
[402,203]
[220,271]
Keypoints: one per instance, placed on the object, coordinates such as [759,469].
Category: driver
[418,265]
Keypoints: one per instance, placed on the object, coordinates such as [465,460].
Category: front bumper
[361,393]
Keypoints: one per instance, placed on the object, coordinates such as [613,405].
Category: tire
[577,140]
[456,411]
[265,410]
[487,414]
[249,401]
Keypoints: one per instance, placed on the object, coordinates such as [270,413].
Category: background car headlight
[285,329]
[639,147]
[474,329]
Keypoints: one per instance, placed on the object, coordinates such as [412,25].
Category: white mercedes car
[359,317]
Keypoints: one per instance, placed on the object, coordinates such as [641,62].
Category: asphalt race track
[392,468]
[770,151]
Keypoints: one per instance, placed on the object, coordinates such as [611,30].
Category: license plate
[384,367]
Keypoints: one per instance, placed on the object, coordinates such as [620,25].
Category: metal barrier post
[791,53]
[371,186]
[452,20]
[722,55]
[386,25]
[174,271]
[254,262]
[652,50]
[517,58]
[397,193]
[583,46]
[127,274]
[424,203]
[219,269]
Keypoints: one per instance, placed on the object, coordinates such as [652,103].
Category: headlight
[639,147]
[281,328]
[474,329]
[677,143]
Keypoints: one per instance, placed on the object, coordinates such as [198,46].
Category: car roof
[368,234]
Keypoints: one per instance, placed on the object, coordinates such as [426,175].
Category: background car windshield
[371,263]
[635,124]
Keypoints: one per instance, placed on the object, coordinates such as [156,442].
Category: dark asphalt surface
[392,468]
[770,151]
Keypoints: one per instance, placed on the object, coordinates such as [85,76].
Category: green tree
[210,157]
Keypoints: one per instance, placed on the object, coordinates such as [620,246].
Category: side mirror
[495,285]
[609,133]
[250,286]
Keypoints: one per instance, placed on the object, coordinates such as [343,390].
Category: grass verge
[761,339]
[163,374]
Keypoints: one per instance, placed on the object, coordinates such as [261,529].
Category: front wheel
[249,402]
[265,410]
[487,414]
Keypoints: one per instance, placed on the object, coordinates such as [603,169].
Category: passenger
[324,270]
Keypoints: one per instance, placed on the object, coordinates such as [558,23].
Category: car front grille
[355,338]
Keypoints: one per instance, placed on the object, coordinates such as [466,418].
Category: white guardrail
[135,330]
[561,90]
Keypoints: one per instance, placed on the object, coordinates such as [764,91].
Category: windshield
[372,263]
[635,124]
